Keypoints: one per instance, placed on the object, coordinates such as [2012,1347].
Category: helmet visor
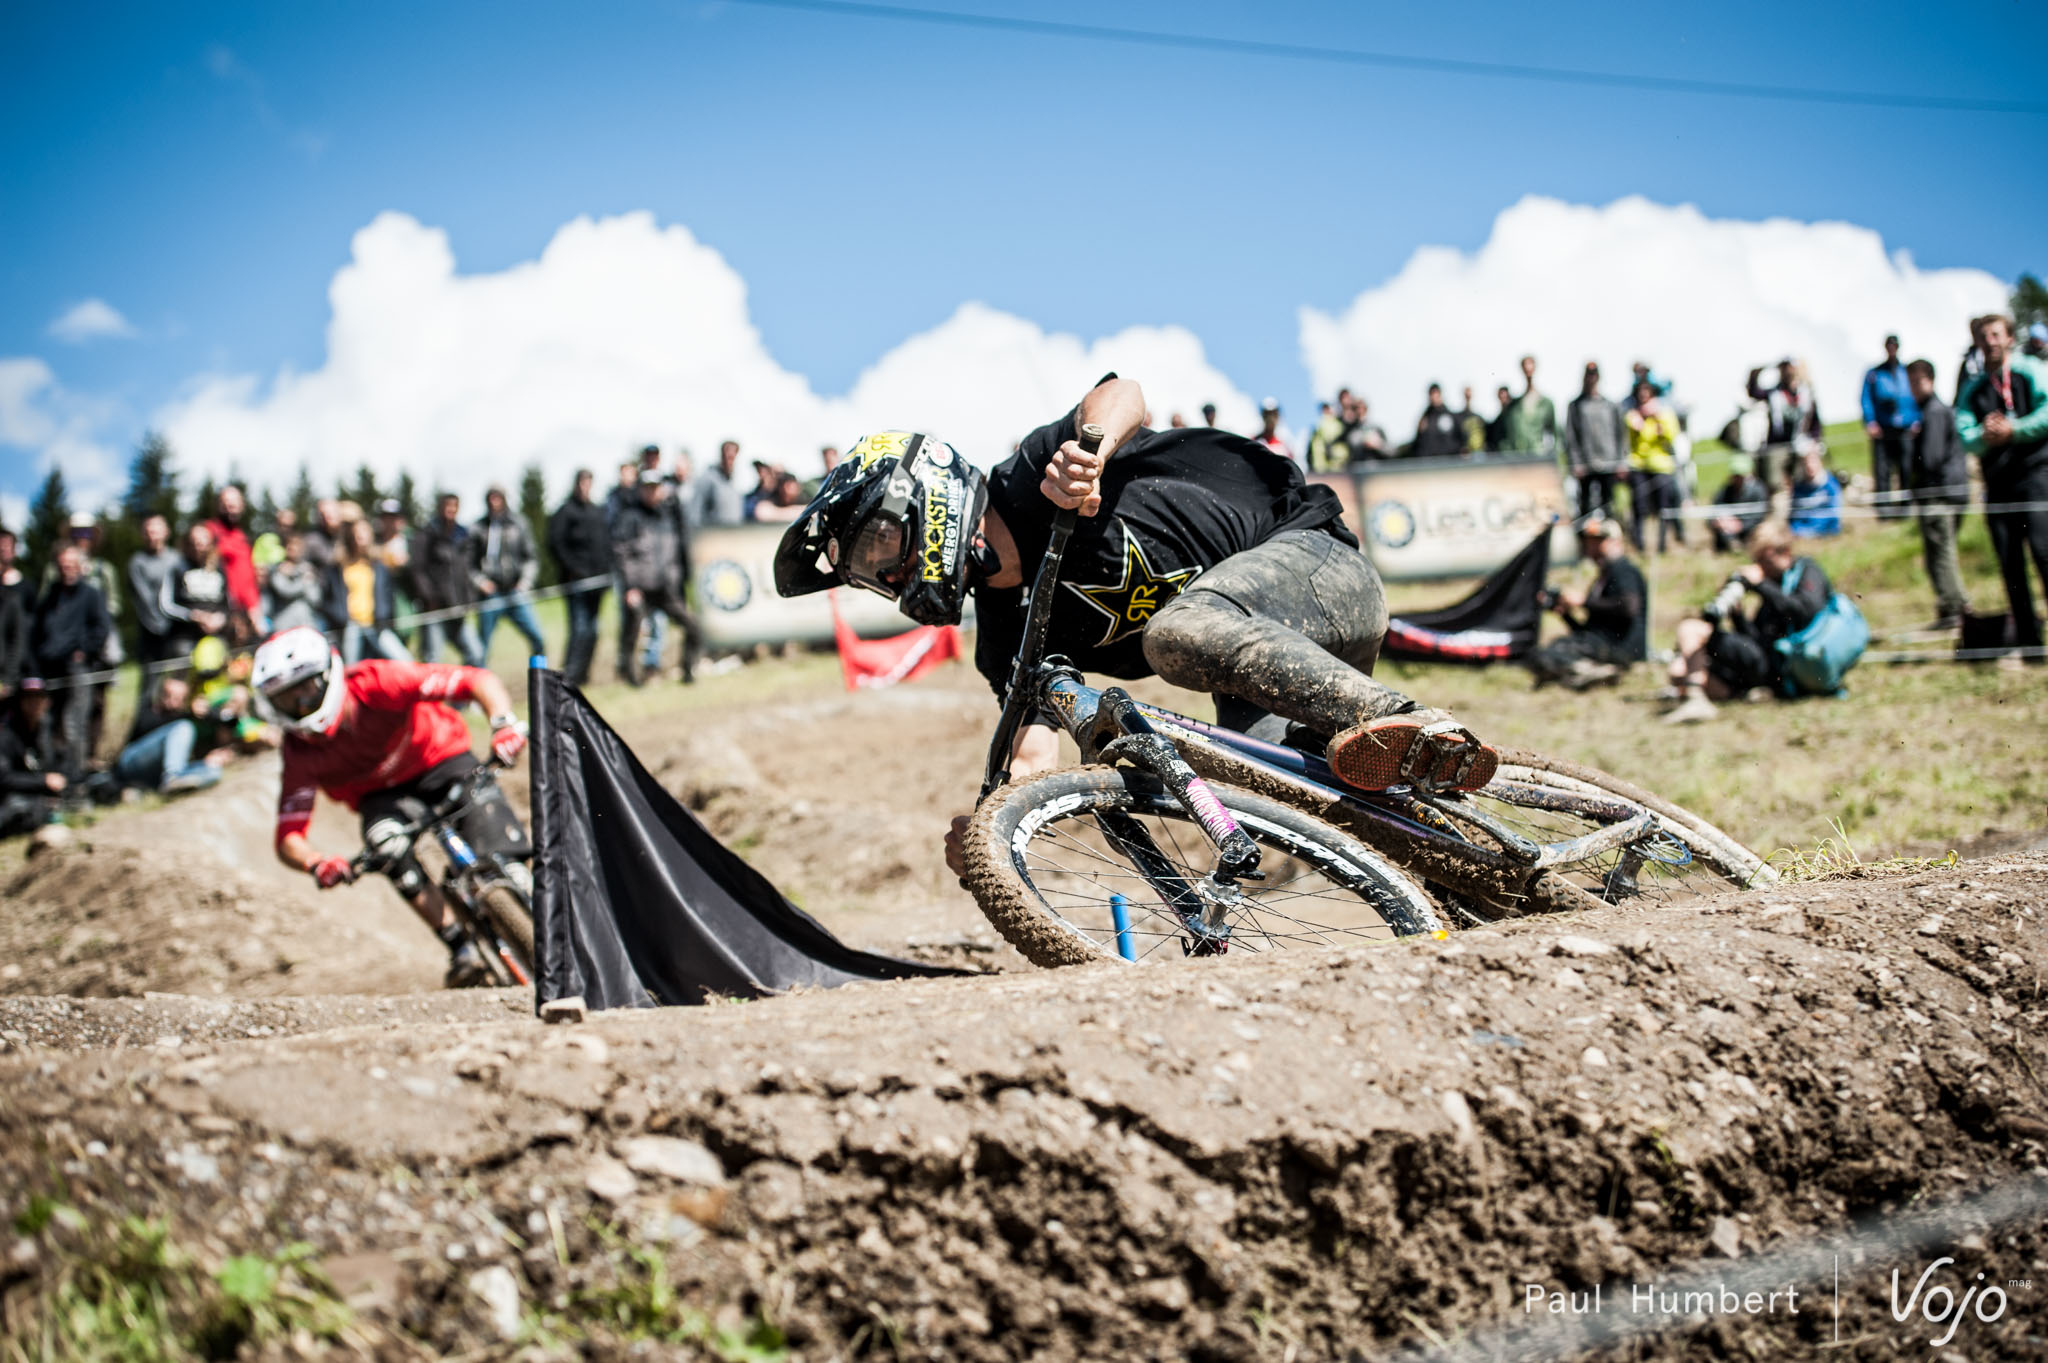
[879,558]
[301,698]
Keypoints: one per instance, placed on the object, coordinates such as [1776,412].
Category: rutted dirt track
[1249,1158]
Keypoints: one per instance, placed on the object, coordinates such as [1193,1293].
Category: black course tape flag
[636,904]
[1498,621]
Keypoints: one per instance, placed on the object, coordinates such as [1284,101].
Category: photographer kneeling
[1724,654]
[1612,632]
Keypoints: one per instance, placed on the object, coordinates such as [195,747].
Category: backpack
[1820,655]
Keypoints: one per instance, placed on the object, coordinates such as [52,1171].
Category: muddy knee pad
[1189,640]
[386,837]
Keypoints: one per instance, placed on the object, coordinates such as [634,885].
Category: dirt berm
[1297,1157]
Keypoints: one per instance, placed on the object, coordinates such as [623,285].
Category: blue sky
[202,168]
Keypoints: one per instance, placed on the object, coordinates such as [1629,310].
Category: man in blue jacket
[1889,417]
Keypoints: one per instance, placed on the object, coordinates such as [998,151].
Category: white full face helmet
[298,674]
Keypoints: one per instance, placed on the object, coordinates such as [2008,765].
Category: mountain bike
[490,895]
[1179,839]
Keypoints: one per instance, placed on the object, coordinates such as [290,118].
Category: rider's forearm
[1036,748]
[1118,407]
[294,851]
[490,693]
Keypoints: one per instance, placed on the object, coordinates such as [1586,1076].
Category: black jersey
[1174,503]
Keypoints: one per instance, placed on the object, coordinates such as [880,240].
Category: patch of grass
[125,1291]
[640,1306]
[1836,858]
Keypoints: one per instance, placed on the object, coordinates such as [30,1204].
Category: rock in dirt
[610,1180]
[498,1290]
[673,1158]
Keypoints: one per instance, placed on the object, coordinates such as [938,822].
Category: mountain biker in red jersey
[1201,557]
[383,738]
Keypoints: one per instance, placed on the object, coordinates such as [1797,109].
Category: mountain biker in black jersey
[1201,557]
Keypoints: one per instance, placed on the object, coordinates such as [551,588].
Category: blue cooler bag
[1819,656]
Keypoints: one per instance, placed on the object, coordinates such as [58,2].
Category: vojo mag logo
[1391,524]
[725,585]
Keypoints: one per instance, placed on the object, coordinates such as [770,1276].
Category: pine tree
[265,510]
[409,498]
[152,482]
[206,502]
[533,509]
[302,497]
[49,521]
[2029,301]
[365,493]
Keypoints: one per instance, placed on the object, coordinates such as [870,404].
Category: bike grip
[1091,437]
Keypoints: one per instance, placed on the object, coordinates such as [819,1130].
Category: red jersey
[394,726]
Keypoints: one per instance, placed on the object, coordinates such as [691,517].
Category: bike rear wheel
[1043,861]
[1538,796]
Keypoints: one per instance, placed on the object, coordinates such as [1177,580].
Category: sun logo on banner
[1391,524]
[725,585]
[1131,602]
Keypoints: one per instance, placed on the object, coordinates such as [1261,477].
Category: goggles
[301,698]
[879,557]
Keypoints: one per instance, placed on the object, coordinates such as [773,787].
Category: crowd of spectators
[189,603]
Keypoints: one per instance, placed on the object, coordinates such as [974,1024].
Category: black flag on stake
[1497,622]
[635,903]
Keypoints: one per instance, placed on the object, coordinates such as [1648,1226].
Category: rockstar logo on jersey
[1131,603]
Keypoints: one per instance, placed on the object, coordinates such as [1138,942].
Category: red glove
[332,871]
[508,739]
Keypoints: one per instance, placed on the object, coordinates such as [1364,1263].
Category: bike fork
[1120,732]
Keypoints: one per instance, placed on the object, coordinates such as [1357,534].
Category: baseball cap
[2038,332]
[390,506]
[84,520]
[32,684]
[1269,404]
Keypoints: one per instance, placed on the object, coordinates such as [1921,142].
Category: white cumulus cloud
[94,319]
[58,428]
[620,333]
[1701,299]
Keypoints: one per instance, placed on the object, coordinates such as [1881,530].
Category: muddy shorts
[1291,627]
[489,825]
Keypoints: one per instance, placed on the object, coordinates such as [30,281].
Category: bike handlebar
[1031,650]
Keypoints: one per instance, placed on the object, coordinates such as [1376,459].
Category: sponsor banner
[738,608]
[1427,518]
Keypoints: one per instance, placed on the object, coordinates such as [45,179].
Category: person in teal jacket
[2002,417]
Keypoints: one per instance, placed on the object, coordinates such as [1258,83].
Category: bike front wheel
[1056,861]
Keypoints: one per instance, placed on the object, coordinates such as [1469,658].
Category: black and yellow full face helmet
[898,517]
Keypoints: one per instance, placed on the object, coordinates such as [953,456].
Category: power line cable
[1454,66]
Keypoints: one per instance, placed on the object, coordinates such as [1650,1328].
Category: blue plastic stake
[1120,914]
[539,661]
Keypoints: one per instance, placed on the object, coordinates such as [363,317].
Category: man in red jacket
[384,739]
[237,561]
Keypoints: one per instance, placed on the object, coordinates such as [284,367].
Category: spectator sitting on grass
[1816,496]
[223,706]
[30,782]
[1748,501]
[161,744]
[1608,627]
[1724,654]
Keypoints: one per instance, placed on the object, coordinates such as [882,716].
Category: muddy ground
[1326,1156]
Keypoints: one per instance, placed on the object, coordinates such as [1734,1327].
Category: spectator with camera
[1608,621]
[1794,418]
[1724,654]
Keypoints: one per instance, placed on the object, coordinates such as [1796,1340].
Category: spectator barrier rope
[398,625]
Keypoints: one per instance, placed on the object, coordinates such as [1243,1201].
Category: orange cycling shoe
[1423,748]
